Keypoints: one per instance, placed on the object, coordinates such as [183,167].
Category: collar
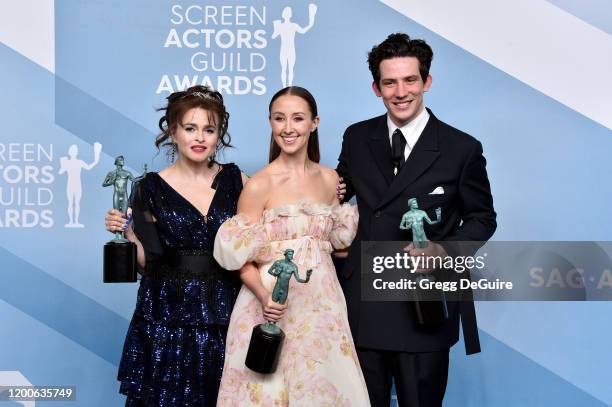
[411,130]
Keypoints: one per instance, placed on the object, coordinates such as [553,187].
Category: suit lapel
[380,147]
[423,155]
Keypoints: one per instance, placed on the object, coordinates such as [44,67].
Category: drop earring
[173,152]
[213,157]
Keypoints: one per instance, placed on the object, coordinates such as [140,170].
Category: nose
[401,90]
[288,128]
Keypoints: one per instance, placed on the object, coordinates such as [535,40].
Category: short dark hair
[400,45]
[313,140]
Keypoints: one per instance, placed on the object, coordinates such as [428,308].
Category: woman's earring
[173,152]
[212,158]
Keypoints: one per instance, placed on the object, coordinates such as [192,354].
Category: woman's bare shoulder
[257,189]
[329,174]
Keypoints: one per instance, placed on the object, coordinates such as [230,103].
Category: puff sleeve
[238,242]
[345,219]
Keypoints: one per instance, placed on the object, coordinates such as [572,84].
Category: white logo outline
[286,29]
[72,166]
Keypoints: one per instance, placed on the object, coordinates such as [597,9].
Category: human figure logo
[286,30]
[72,166]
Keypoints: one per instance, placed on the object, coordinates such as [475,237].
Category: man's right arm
[343,168]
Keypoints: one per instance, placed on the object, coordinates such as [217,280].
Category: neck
[296,163]
[193,170]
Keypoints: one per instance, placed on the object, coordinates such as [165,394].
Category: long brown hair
[313,140]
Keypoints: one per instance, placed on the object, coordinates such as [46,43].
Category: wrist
[262,295]
[129,233]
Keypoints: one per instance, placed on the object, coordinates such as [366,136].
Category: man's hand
[341,189]
[427,254]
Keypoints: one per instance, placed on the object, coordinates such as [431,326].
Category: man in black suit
[409,153]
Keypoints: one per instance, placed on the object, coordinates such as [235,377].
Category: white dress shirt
[411,131]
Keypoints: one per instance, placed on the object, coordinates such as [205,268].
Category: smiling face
[292,122]
[196,135]
[401,89]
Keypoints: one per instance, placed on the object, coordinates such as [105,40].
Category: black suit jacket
[443,156]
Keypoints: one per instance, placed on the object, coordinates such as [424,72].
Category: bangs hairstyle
[313,139]
[181,102]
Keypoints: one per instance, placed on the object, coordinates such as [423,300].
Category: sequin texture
[174,348]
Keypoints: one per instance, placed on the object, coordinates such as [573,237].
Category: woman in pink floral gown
[291,203]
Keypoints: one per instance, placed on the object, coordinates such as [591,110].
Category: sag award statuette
[119,253]
[430,304]
[267,339]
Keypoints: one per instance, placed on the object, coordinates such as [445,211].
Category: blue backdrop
[529,79]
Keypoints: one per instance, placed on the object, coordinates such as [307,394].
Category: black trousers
[420,378]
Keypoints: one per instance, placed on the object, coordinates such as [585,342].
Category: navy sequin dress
[174,348]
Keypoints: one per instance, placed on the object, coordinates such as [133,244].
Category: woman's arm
[116,222]
[251,205]
[272,311]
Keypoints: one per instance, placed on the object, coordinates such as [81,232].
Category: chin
[289,150]
[198,160]
[294,151]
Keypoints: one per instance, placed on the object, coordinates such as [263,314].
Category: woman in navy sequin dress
[174,348]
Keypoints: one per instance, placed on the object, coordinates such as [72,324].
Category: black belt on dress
[182,265]
[187,264]
[194,260]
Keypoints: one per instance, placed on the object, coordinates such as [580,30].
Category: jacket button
[377,214]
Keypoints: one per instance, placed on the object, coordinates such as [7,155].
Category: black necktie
[398,145]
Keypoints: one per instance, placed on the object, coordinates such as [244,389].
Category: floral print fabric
[318,365]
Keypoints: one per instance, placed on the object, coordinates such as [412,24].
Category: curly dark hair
[400,45]
[181,102]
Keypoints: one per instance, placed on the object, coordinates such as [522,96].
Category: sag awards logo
[228,44]
[28,176]
[72,167]
[287,29]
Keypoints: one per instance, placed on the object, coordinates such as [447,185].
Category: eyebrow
[403,78]
[195,125]
[296,113]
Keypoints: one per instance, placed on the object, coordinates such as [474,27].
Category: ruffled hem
[239,240]
[304,207]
